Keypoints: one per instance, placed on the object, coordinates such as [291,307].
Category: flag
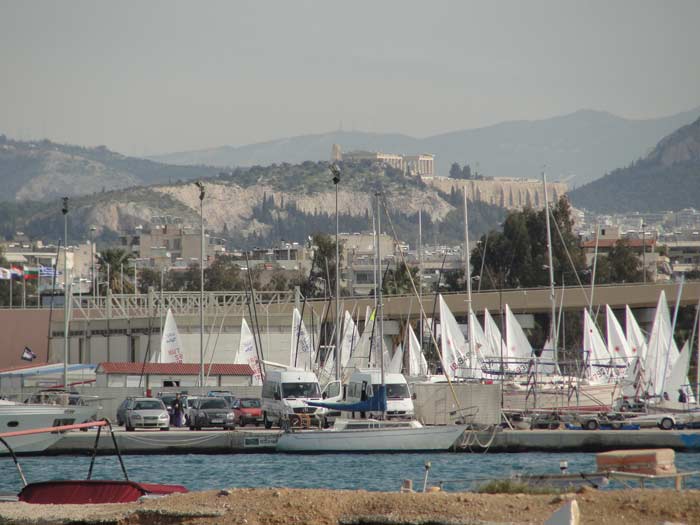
[31,272]
[5,273]
[47,271]
[28,355]
[16,272]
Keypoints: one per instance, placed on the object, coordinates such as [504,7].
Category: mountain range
[42,170]
[577,148]
[666,179]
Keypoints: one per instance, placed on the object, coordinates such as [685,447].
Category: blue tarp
[376,403]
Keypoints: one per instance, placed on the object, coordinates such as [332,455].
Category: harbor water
[375,472]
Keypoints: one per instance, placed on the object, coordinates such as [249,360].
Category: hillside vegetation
[667,179]
[43,170]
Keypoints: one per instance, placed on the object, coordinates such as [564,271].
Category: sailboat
[370,435]
[170,344]
[247,355]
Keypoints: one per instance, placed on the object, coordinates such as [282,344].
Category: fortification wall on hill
[508,193]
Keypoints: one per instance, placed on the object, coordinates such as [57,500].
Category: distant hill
[261,206]
[667,179]
[42,170]
[579,147]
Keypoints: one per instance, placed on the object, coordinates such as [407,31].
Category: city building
[422,165]
[168,245]
[390,159]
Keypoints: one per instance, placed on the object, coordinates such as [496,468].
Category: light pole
[201,284]
[335,170]
[92,260]
[644,252]
[66,290]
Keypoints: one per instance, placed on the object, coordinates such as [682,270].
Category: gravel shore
[327,507]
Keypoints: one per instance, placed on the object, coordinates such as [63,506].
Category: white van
[363,383]
[284,393]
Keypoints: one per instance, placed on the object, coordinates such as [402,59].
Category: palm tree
[111,261]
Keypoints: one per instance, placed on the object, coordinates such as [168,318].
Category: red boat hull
[80,492]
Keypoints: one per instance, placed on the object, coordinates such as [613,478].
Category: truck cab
[363,383]
[284,396]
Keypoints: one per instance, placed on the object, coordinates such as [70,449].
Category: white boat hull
[594,398]
[438,438]
[14,417]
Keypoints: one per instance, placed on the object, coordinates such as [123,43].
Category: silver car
[146,412]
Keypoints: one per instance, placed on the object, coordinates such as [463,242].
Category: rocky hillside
[578,147]
[667,179]
[44,170]
[262,205]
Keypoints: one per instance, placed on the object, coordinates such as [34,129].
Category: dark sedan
[211,412]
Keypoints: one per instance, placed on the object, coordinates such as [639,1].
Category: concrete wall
[434,403]
[20,328]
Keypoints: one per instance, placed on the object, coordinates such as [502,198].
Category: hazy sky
[153,77]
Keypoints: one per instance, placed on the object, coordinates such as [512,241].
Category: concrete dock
[183,441]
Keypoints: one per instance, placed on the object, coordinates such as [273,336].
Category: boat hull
[15,417]
[438,438]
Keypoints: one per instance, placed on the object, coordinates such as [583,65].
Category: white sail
[396,363]
[301,351]
[481,346]
[349,340]
[677,381]
[594,348]
[247,355]
[617,341]
[364,350]
[496,345]
[170,344]
[660,356]
[636,341]
[519,347]
[417,365]
[453,346]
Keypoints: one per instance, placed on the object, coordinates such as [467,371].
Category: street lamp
[644,252]
[92,259]
[335,170]
[201,284]
[66,290]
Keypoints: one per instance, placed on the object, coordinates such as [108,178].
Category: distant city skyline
[162,77]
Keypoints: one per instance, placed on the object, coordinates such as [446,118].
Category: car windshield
[395,391]
[168,400]
[148,405]
[213,403]
[250,403]
[291,390]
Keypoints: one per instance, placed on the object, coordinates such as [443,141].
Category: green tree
[322,277]
[224,274]
[455,171]
[397,281]
[620,266]
[110,263]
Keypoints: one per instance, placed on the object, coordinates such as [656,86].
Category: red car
[247,410]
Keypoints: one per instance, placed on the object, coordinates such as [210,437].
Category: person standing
[177,410]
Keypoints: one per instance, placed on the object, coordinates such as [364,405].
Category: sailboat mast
[552,329]
[380,309]
[420,275]
[468,278]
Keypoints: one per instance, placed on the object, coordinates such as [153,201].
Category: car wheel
[268,423]
[128,428]
[666,423]
[191,428]
[257,423]
[616,425]
[591,424]
[165,428]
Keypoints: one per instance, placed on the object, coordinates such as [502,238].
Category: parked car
[121,410]
[661,420]
[168,397]
[146,412]
[228,396]
[247,410]
[211,412]
[187,405]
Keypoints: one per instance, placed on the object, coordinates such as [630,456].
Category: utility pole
[66,292]
[335,170]
[201,284]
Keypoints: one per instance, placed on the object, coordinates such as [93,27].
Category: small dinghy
[87,491]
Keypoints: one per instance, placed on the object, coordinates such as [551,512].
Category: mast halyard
[380,309]
[468,279]
[552,299]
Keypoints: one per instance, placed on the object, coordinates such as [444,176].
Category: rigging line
[213,350]
[568,255]
[415,291]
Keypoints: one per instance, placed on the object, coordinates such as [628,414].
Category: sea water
[376,472]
